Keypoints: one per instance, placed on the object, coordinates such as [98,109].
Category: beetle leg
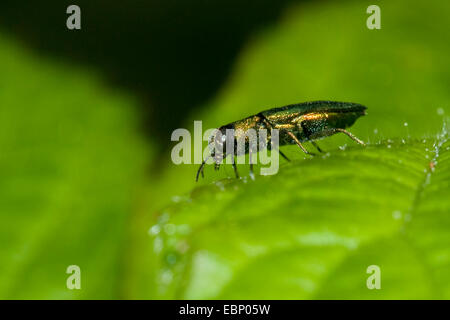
[299,143]
[283,155]
[234,167]
[293,137]
[200,170]
[316,145]
[351,136]
[271,126]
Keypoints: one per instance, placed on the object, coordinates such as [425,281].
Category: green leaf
[71,160]
[324,51]
[72,166]
[312,230]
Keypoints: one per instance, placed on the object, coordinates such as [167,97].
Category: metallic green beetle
[296,123]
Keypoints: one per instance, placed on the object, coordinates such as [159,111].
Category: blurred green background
[85,124]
